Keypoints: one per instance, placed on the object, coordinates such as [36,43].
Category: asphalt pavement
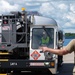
[68,65]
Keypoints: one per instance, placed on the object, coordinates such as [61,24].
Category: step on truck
[21,35]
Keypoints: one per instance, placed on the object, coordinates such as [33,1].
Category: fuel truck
[21,35]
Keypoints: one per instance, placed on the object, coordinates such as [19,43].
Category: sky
[63,11]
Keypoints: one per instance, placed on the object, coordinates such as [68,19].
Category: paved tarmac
[68,64]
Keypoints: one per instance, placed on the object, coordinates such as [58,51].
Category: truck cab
[44,32]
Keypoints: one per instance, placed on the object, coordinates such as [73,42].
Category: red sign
[35,55]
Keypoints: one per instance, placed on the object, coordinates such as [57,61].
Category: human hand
[44,49]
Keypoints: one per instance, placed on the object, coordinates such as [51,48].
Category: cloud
[72,8]
[27,1]
[62,11]
[69,30]
[46,8]
[67,24]
[17,1]
[32,4]
[6,7]
[53,9]
[71,17]
[63,7]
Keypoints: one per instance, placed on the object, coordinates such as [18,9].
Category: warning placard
[35,55]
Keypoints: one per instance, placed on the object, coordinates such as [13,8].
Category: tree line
[69,35]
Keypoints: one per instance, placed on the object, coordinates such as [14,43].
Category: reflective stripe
[4,53]
[3,59]
[3,74]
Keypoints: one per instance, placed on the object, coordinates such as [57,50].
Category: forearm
[57,51]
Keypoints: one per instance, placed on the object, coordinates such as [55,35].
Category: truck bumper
[14,64]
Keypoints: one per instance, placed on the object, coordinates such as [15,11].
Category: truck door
[40,37]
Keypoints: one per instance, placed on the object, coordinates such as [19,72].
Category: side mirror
[60,35]
[60,38]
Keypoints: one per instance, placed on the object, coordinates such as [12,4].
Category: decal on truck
[35,55]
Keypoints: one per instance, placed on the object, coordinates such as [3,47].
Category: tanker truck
[21,35]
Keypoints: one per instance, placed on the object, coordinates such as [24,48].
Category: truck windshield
[41,38]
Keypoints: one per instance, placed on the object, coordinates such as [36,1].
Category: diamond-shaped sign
[35,55]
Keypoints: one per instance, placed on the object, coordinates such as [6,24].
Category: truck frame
[20,36]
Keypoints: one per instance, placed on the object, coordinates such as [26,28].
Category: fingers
[40,47]
[43,49]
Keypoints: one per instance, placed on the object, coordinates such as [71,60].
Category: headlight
[47,63]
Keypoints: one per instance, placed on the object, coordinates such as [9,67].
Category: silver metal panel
[39,20]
